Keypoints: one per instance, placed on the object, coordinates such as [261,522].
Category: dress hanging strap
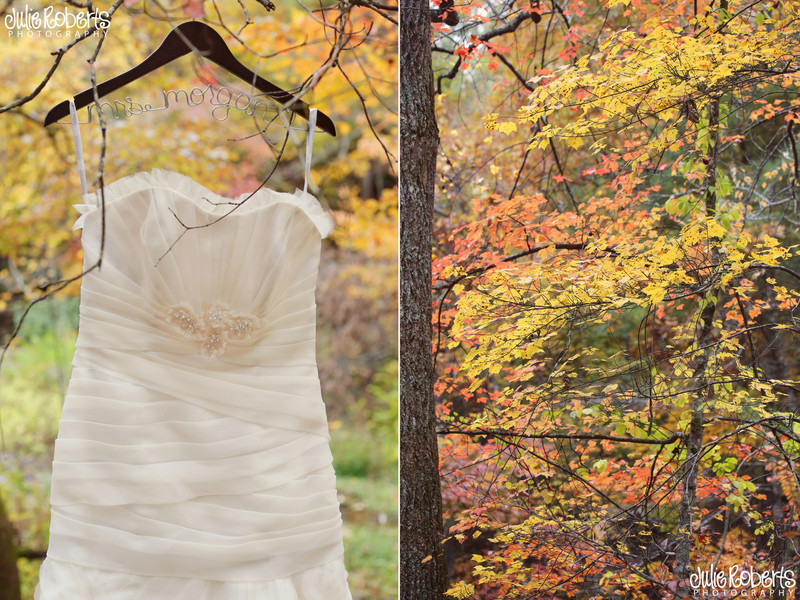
[312,123]
[76,137]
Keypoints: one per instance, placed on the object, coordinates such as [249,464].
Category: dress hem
[68,580]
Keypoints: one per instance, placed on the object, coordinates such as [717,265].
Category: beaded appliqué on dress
[213,328]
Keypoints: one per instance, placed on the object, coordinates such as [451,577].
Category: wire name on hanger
[222,98]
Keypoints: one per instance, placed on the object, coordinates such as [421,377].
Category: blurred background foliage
[354,174]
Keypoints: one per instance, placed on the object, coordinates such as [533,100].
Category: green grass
[369,510]
[365,459]
[371,559]
[366,478]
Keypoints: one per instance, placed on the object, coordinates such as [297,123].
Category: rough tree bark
[420,495]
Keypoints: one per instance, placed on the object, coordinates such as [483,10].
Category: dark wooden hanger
[185,38]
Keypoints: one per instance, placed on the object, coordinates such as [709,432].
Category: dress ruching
[193,460]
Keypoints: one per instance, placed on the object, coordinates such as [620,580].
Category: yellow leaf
[668,256]
[574,142]
[507,127]
[715,230]
[461,590]
[655,293]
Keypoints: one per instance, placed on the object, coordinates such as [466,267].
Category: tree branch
[501,433]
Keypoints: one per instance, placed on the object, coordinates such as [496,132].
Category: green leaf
[724,186]
[726,466]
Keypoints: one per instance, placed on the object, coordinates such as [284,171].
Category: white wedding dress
[193,460]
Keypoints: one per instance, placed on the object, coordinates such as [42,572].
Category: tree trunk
[700,380]
[421,578]
[9,576]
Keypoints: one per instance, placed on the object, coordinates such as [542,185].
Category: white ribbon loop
[76,137]
[312,124]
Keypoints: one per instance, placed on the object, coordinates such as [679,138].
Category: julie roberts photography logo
[740,582]
[53,22]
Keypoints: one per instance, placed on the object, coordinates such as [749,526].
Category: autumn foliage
[615,297]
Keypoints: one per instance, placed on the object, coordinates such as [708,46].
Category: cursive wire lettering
[222,98]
